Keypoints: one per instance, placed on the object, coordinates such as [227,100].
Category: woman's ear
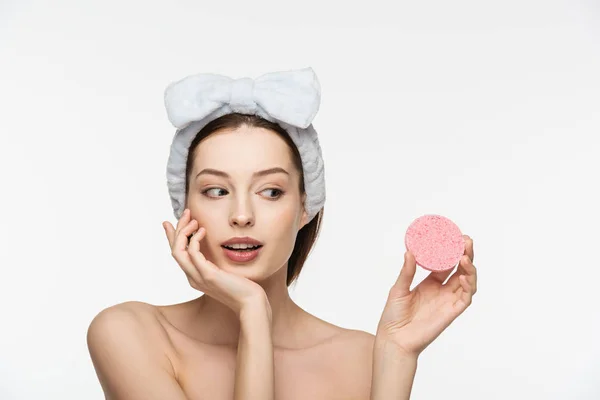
[304,217]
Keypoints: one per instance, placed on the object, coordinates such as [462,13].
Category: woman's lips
[241,256]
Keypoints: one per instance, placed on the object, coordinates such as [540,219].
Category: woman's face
[230,199]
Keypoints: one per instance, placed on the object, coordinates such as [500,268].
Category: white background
[485,112]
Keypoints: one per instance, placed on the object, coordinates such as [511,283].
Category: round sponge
[435,241]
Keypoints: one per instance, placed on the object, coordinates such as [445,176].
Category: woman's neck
[219,325]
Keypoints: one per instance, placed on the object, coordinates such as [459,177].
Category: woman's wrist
[254,376]
[255,309]
[385,344]
[393,370]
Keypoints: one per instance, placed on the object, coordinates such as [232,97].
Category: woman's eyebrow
[211,171]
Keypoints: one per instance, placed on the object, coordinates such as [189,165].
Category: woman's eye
[278,191]
[214,189]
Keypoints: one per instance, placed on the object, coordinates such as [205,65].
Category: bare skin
[188,350]
[312,358]
[320,361]
[244,338]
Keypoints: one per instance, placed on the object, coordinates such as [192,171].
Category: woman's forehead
[248,149]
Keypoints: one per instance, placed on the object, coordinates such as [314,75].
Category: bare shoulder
[130,312]
[336,339]
[127,348]
[356,342]
[138,308]
[350,359]
[360,338]
[136,317]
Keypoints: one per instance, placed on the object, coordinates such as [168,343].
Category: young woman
[246,180]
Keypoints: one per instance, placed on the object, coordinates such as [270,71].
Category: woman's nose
[242,213]
[242,219]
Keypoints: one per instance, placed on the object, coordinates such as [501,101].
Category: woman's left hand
[413,319]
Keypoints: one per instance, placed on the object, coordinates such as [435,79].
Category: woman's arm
[412,319]
[246,298]
[254,371]
[393,372]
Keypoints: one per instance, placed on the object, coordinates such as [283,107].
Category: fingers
[173,232]
[470,267]
[454,283]
[464,281]
[464,294]
[405,278]
[466,269]
[207,270]
[182,237]
[178,240]
[183,221]
[469,247]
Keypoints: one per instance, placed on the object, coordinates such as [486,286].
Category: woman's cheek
[285,214]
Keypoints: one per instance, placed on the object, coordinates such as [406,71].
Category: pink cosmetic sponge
[435,241]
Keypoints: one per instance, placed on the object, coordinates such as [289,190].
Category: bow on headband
[292,97]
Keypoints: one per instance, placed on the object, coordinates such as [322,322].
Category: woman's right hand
[236,292]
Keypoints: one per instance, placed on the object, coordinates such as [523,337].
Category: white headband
[288,98]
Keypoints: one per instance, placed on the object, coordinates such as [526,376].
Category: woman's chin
[255,272]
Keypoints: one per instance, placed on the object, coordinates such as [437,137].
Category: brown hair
[308,234]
